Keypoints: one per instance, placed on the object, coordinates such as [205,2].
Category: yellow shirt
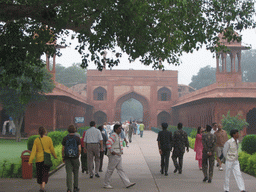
[37,150]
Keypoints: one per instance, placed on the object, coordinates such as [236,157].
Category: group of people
[92,147]
[210,142]
[9,127]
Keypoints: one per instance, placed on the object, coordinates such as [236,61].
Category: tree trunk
[18,122]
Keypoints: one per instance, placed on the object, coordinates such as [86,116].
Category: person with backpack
[71,150]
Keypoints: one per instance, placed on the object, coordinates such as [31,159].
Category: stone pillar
[234,61]
[224,61]
[217,63]
[239,61]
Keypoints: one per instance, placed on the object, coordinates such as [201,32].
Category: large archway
[131,109]
[163,117]
[141,99]
[100,117]
[251,119]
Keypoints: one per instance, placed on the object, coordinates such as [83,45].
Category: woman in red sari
[199,146]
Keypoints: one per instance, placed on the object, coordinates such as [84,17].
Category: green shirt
[142,127]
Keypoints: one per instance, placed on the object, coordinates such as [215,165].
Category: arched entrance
[163,117]
[251,119]
[100,117]
[131,109]
[139,98]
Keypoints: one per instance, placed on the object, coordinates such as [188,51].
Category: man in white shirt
[230,152]
[214,128]
[93,144]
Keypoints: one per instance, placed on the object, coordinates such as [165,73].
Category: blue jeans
[141,133]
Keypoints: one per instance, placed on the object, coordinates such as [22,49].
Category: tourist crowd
[109,139]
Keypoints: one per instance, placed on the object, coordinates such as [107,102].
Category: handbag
[47,157]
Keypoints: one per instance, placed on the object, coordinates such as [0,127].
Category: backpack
[71,148]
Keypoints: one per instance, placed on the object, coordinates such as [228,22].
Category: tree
[228,122]
[15,105]
[70,76]
[248,63]
[153,31]
[206,76]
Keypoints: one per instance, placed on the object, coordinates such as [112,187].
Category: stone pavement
[141,162]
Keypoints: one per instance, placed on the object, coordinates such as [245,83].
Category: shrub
[243,159]
[56,136]
[191,142]
[193,133]
[30,141]
[234,122]
[249,143]
[251,165]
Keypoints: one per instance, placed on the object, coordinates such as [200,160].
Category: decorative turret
[229,72]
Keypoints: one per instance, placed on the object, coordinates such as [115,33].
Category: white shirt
[93,135]
[213,131]
[230,150]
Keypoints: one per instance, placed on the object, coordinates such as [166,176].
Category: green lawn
[11,150]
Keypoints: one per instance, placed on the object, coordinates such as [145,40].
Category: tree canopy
[152,30]
[70,76]
[206,76]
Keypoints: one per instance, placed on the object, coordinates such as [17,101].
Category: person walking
[115,150]
[164,140]
[209,143]
[199,146]
[71,150]
[93,144]
[222,137]
[83,156]
[142,126]
[102,153]
[130,132]
[180,142]
[230,152]
[41,144]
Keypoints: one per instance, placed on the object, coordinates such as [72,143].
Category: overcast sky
[191,63]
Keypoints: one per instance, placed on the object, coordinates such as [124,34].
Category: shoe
[209,181]
[220,169]
[162,171]
[76,189]
[175,170]
[132,184]
[226,191]
[42,190]
[166,174]
[205,179]
[97,175]
[108,187]
[180,171]
[100,171]
[200,168]
[91,176]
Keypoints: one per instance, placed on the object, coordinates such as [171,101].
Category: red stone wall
[55,113]
[207,111]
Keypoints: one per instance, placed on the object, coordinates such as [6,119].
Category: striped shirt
[115,144]
[93,135]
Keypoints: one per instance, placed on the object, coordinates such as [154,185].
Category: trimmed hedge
[247,163]
[249,143]
[191,142]
[30,141]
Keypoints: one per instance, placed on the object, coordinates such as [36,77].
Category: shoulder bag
[47,157]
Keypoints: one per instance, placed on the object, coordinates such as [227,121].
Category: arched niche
[100,117]
[100,94]
[251,119]
[164,94]
[163,117]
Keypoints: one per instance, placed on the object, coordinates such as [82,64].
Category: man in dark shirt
[180,141]
[72,163]
[164,141]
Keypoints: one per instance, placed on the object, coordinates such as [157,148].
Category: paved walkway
[141,162]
